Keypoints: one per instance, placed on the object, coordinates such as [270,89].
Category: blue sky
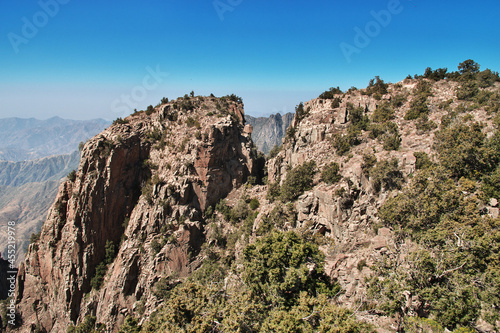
[94,59]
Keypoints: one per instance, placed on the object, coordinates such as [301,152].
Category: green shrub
[423,88]
[391,140]
[467,90]
[383,113]
[191,122]
[330,173]
[87,326]
[422,160]
[119,121]
[361,264]
[357,117]
[300,113]
[341,144]
[436,75]
[398,100]
[455,246]
[277,218]
[277,268]
[487,78]
[131,325]
[34,238]
[150,110]
[273,191]
[418,107]
[101,269]
[330,94]
[298,180]
[275,151]
[462,150]
[491,184]
[377,86]
[72,176]
[335,103]
[156,246]
[469,66]
[386,175]
[369,161]
[254,204]
[424,124]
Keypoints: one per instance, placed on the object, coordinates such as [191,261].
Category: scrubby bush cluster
[283,289]
[454,269]
[101,269]
[330,94]
[376,87]
[298,180]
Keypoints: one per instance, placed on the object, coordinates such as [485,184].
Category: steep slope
[29,139]
[269,131]
[409,161]
[133,213]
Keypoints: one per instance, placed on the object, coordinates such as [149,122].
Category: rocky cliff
[343,130]
[135,206]
[269,131]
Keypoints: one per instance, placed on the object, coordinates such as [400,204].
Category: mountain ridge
[269,131]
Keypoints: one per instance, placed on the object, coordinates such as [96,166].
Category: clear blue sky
[85,58]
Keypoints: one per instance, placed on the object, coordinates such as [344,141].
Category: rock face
[141,188]
[346,211]
[269,131]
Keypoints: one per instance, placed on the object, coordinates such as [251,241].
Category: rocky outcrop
[141,189]
[269,131]
[346,211]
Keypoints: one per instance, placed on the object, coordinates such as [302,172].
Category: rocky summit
[378,213]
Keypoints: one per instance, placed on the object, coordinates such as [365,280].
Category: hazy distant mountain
[268,131]
[29,139]
[27,205]
[27,189]
[34,156]
[47,168]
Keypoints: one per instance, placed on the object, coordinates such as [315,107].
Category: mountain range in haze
[29,139]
